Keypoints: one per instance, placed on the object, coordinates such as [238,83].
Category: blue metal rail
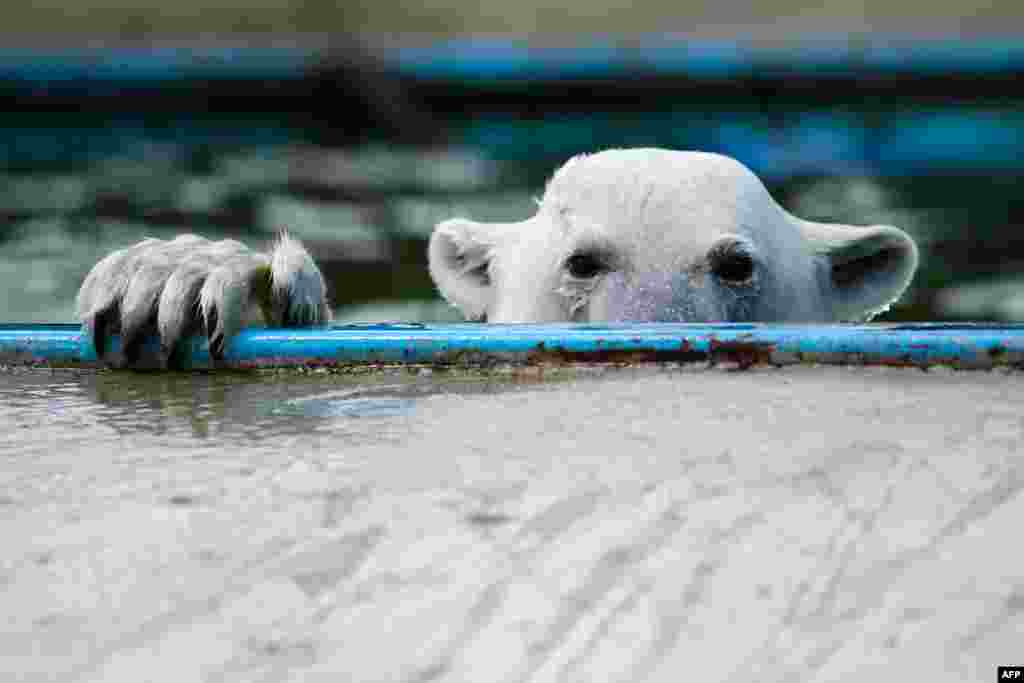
[478,345]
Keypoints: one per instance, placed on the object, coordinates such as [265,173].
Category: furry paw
[191,285]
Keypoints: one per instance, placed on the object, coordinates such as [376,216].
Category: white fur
[657,215]
[187,285]
[298,291]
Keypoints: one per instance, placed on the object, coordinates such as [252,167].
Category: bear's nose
[652,297]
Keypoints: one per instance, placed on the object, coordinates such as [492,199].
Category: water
[191,407]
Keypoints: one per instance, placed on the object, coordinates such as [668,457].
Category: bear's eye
[585,265]
[731,262]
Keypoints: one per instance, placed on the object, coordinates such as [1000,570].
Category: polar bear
[657,235]
[620,235]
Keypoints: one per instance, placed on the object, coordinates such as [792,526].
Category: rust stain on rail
[554,354]
[744,354]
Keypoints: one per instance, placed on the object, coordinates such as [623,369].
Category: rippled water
[41,409]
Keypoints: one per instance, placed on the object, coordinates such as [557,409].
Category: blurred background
[360,125]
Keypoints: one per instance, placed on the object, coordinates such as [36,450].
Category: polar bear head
[657,235]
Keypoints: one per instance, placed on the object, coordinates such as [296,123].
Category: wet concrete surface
[797,524]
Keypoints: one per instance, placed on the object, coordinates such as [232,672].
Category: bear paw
[192,285]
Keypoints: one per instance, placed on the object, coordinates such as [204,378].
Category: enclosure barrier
[741,345]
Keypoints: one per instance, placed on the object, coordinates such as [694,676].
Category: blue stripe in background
[128,67]
[496,60]
[806,142]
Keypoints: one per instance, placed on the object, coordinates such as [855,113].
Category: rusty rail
[973,345]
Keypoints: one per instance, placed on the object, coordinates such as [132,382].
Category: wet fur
[654,220]
[192,285]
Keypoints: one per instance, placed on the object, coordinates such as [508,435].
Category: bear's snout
[652,297]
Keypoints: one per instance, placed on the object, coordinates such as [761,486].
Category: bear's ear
[868,268]
[459,257]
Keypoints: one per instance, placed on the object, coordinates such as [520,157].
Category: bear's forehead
[685,199]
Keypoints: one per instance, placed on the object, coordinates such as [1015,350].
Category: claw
[178,315]
[143,291]
[227,295]
[298,292]
[99,298]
